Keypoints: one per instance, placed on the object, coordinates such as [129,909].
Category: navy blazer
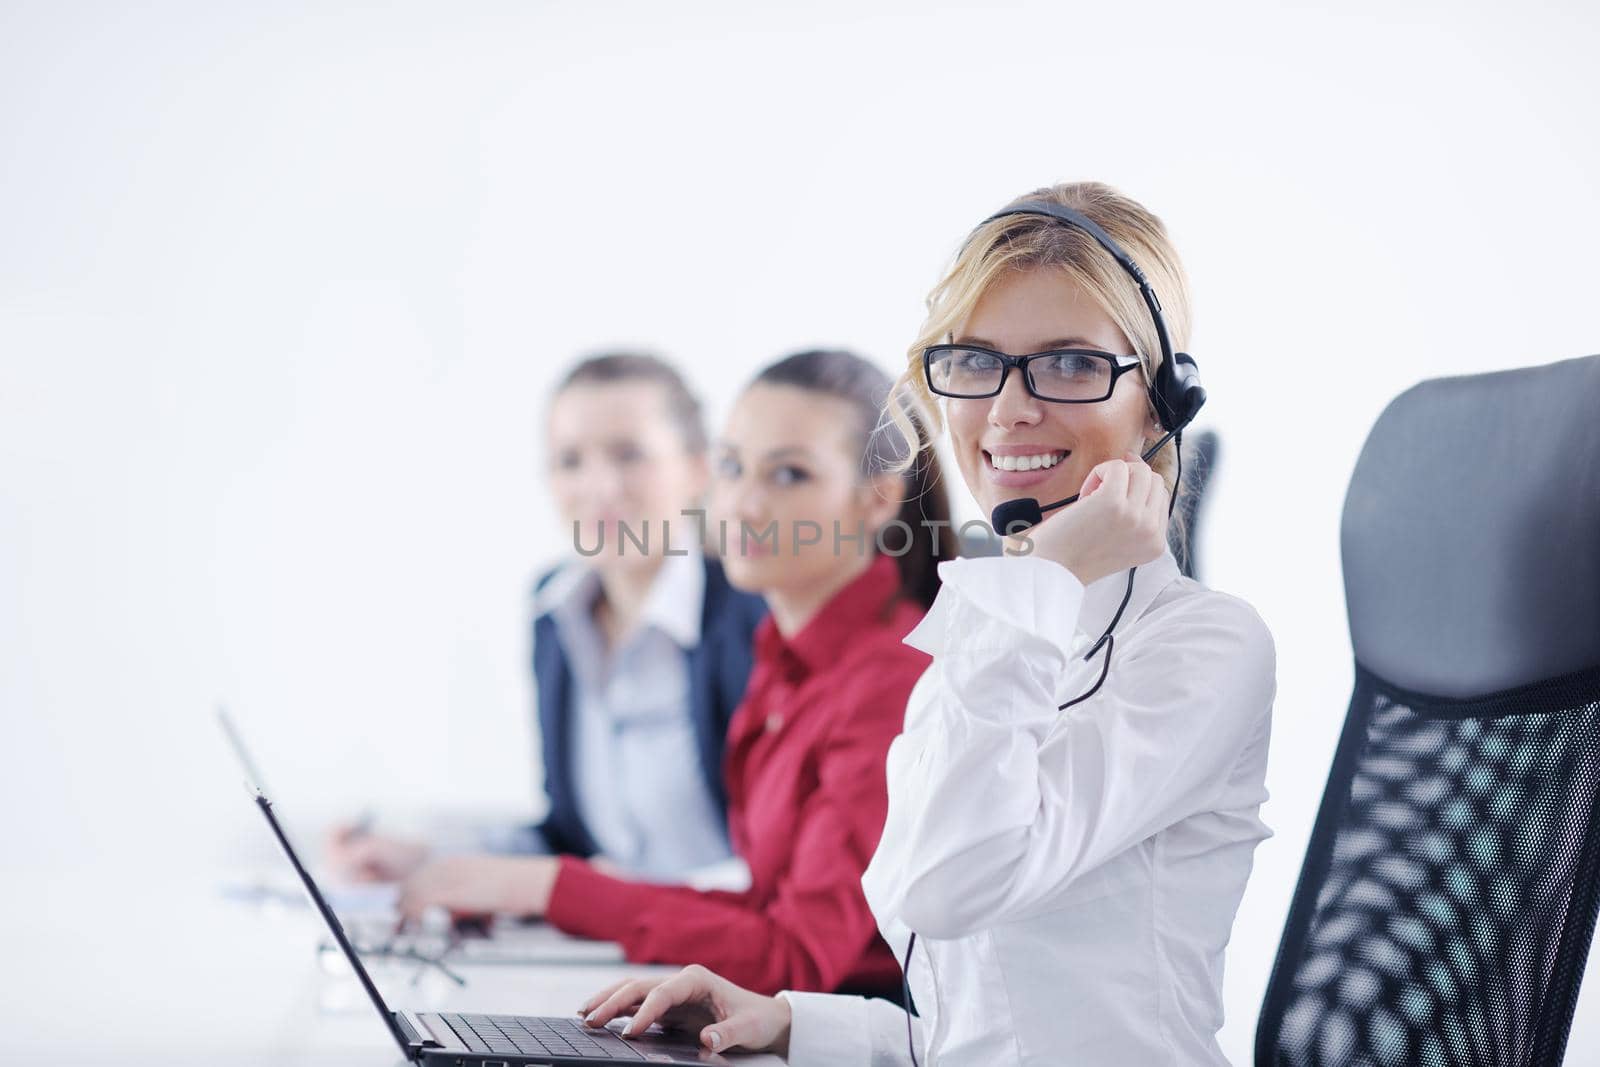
[719,667]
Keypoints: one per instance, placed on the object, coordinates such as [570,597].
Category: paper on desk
[358,901]
[378,899]
[510,941]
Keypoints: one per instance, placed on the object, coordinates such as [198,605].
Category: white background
[282,291]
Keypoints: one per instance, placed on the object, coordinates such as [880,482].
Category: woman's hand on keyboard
[724,1015]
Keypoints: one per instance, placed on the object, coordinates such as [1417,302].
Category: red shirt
[807,800]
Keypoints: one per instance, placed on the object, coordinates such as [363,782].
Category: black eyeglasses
[1061,376]
[409,950]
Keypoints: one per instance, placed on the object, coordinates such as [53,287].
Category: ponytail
[927,512]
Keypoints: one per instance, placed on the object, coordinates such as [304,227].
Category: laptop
[447,1039]
[501,941]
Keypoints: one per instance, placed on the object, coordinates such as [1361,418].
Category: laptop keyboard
[533,1035]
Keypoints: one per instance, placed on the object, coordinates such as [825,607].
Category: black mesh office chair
[1448,896]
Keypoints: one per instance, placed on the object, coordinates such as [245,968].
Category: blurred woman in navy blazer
[641,648]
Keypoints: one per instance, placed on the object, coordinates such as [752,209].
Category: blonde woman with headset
[1073,802]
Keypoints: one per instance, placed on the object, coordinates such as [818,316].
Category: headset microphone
[1014,516]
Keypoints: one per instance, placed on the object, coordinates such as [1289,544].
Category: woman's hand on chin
[1119,521]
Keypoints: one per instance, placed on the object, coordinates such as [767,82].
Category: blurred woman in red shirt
[809,511]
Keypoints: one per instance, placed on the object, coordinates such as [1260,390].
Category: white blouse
[1072,876]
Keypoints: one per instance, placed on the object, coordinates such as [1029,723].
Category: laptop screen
[333,925]
[241,751]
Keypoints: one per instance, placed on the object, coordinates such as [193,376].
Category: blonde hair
[1027,242]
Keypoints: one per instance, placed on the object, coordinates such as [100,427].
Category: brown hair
[607,368]
[926,510]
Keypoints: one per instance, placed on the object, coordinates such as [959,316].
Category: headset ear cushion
[1181,392]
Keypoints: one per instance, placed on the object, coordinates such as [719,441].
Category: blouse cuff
[826,1029]
[1037,596]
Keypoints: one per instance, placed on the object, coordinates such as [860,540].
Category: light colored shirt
[1072,876]
[636,765]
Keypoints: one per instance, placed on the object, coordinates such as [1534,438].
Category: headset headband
[1103,239]
[1176,389]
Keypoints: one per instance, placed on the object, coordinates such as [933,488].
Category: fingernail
[716,1041]
[590,1018]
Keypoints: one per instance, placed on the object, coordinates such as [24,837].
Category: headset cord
[1109,641]
[905,991]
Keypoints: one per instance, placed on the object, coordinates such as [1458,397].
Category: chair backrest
[1447,900]
[1199,460]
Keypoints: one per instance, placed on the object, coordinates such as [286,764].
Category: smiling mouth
[1035,461]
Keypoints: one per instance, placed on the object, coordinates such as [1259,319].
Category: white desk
[184,977]
[173,974]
